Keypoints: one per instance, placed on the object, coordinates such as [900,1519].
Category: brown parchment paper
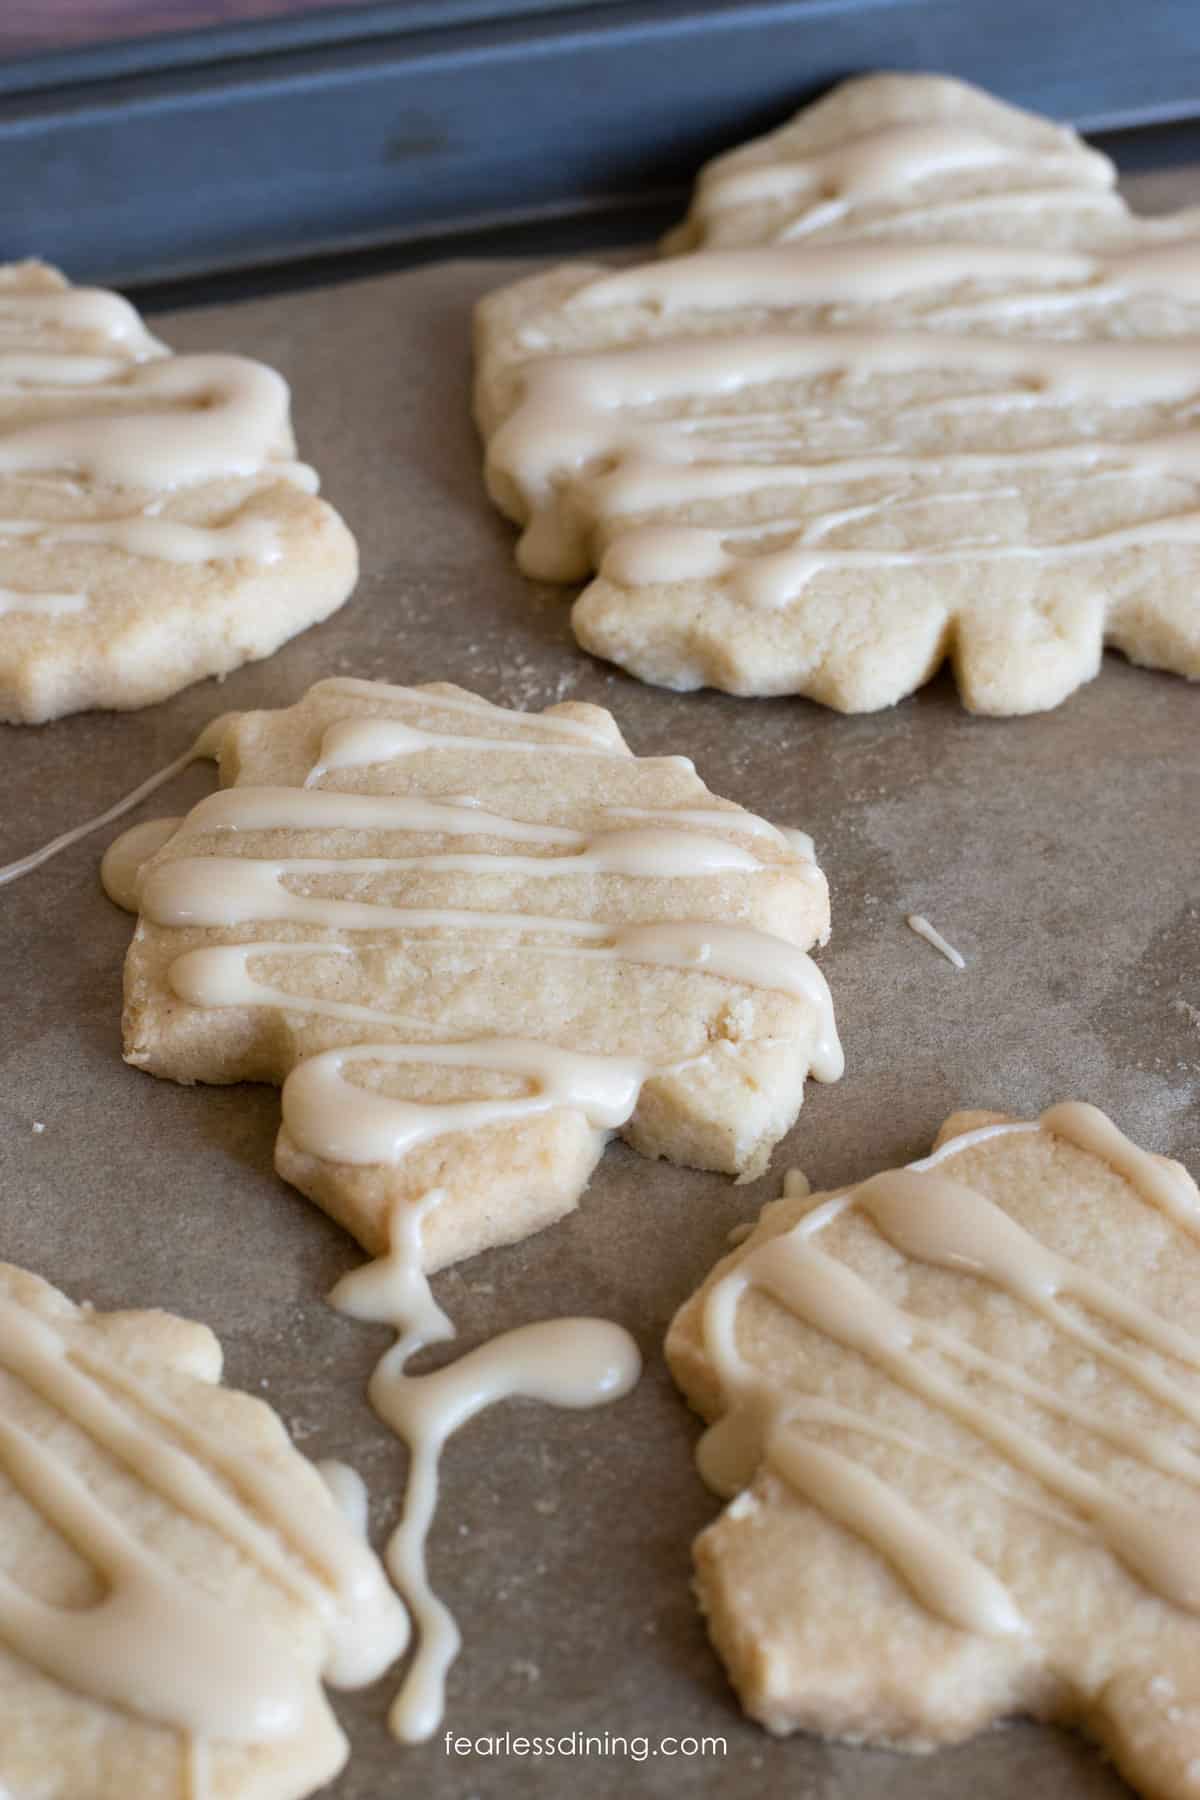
[1058,852]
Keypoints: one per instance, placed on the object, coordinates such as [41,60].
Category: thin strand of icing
[885,161]
[825,274]
[732,819]
[167,540]
[774,580]
[356,743]
[205,746]
[23,370]
[232,888]
[1007,202]
[935,1220]
[92,310]
[46,605]
[324,809]
[563,1362]
[474,704]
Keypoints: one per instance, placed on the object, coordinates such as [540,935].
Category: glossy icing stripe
[564,1362]
[935,1220]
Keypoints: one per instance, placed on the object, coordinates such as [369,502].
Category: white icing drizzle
[331,1117]
[603,441]
[564,1362]
[356,743]
[348,1491]
[135,418]
[920,924]
[326,1112]
[551,725]
[91,310]
[205,746]
[793,275]
[51,606]
[776,580]
[191,419]
[933,1219]
[21,371]
[156,1645]
[170,540]
[122,863]
[883,164]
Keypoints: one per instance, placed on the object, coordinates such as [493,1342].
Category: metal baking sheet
[1058,852]
[256,144]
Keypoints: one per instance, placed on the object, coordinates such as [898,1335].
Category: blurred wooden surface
[29,25]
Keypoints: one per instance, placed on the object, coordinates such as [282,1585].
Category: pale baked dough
[920,387]
[818,1629]
[722,1060]
[58,1742]
[92,615]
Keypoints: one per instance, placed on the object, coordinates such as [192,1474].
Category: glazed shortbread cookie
[919,387]
[175,1579]
[471,943]
[955,1411]
[154,525]
[910,156]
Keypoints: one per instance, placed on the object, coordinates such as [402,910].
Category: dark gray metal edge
[355,142]
[77,66]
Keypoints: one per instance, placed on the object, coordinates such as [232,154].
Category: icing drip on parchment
[157,1645]
[932,1218]
[564,1362]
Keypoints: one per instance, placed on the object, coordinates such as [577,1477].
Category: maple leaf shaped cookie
[176,1580]
[154,525]
[956,1408]
[472,943]
[919,388]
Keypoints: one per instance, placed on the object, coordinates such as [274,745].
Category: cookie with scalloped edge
[953,1411]
[472,944]
[916,390]
[155,526]
[176,1580]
